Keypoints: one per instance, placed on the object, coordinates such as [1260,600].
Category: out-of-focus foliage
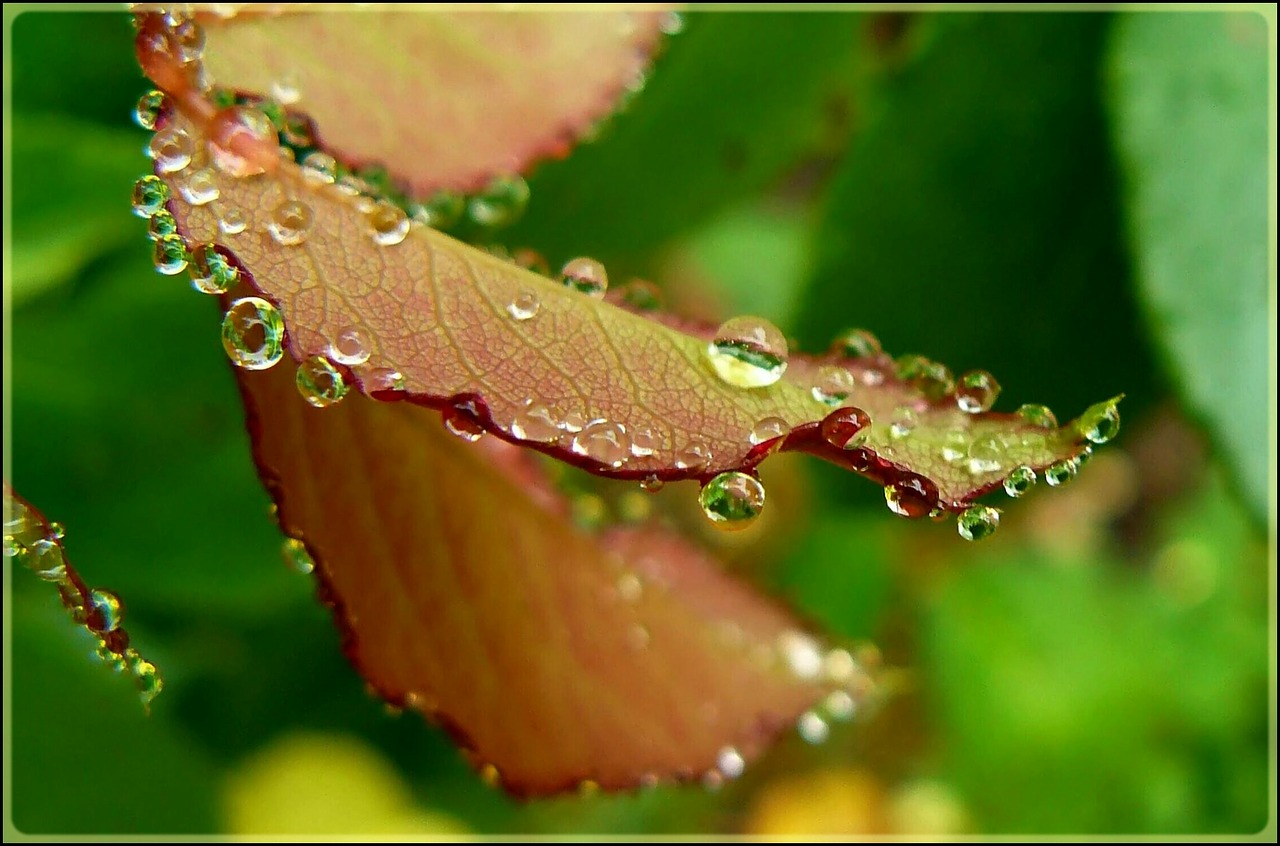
[1098,666]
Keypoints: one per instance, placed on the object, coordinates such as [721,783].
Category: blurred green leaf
[736,100]
[128,429]
[86,758]
[1190,108]
[974,219]
[71,184]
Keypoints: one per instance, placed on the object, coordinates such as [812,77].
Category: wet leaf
[443,99]
[465,592]
[1190,113]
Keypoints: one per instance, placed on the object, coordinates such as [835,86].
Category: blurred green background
[1077,203]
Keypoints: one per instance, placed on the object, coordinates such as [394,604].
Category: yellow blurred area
[325,784]
[852,802]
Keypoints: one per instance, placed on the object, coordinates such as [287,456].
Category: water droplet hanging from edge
[319,382]
[732,500]
[978,522]
[253,333]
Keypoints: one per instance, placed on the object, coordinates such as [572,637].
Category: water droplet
[108,607]
[651,484]
[1021,480]
[985,455]
[586,276]
[1082,458]
[1038,415]
[767,429]
[150,107]
[694,457]
[349,348]
[295,555]
[57,531]
[856,343]
[574,421]
[462,417]
[319,382]
[389,223]
[146,678]
[161,225]
[189,38]
[977,392]
[200,188]
[930,378]
[748,352]
[1060,472]
[290,222]
[1100,423]
[525,306]
[150,193]
[839,705]
[604,441]
[378,380]
[171,149]
[955,445]
[846,428]
[501,202]
[730,762]
[442,211]
[44,558]
[641,295]
[534,422]
[320,168]
[802,654]
[903,422]
[285,89]
[531,260]
[253,333]
[732,500]
[170,255]
[242,141]
[643,442]
[211,272]
[838,666]
[813,728]
[232,221]
[832,385]
[978,522]
[909,497]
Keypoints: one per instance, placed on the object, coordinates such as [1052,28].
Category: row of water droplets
[38,547]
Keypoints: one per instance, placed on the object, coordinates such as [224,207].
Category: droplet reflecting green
[295,555]
[501,203]
[586,276]
[161,224]
[978,522]
[1038,415]
[977,392]
[253,333]
[1100,423]
[170,255]
[856,343]
[150,106]
[109,608]
[319,382]
[150,193]
[1020,480]
[748,352]
[211,271]
[732,500]
[1060,472]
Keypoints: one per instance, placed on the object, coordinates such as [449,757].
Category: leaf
[443,99]
[1189,98]
[465,592]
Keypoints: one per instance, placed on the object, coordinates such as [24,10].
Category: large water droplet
[44,558]
[856,343]
[320,168]
[732,500]
[290,222]
[978,522]
[295,555]
[586,276]
[349,348]
[171,149]
[1038,415]
[929,377]
[170,255]
[211,272]
[232,221]
[242,141]
[389,224]
[977,392]
[1100,424]
[846,428]
[832,385]
[150,107]
[108,608]
[604,441]
[748,352]
[150,193]
[1060,472]
[985,455]
[319,382]
[200,188]
[813,728]
[693,457]
[161,224]
[909,497]
[501,202]
[534,422]
[462,418]
[1021,480]
[253,333]
[525,306]
[767,429]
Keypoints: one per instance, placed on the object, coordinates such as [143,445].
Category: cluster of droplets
[38,546]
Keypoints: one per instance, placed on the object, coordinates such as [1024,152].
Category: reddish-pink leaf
[555,657]
[32,540]
[444,99]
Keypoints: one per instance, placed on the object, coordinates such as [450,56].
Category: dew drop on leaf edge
[748,352]
[253,333]
[732,500]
